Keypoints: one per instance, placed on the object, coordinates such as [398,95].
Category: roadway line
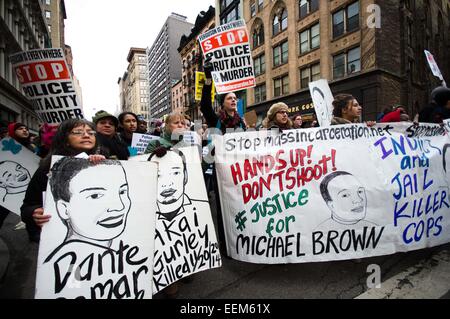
[429,279]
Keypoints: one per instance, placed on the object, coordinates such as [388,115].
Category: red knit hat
[392,116]
[13,127]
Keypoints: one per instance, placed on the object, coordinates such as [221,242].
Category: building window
[258,36]
[310,39]
[281,86]
[260,65]
[307,7]
[309,74]
[346,20]
[260,93]
[48,2]
[252,8]
[48,14]
[347,63]
[279,22]
[49,28]
[260,5]
[280,54]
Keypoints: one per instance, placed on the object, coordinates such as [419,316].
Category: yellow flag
[199,82]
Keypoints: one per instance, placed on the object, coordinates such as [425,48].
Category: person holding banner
[438,109]
[74,136]
[277,117]
[128,122]
[109,142]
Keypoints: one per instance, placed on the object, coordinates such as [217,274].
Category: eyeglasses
[82,133]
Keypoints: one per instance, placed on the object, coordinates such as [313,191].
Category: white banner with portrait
[17,166]
[334,193]
[99,242]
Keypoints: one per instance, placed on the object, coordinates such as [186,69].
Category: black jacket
[112,148]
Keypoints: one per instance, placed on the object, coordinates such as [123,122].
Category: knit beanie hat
[13,127]
[274,109]
[102,115]
[441,95]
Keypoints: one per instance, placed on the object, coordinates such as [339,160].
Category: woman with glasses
[277,117]
[73,137]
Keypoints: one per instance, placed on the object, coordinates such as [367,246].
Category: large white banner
[334,193]
[47,81]
[185,240]
[99,242]
[17,166]
[228,47]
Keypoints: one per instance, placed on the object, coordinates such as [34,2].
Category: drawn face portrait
[171,182]
[98,208]
[321,105]
[348,199]
[14,178]
[446,162]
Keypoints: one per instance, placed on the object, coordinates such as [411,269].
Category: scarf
[227,121]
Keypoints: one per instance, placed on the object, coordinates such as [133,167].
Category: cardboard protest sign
[141,141]
[434,67]
[185,240]
[99,242]
[17,166]
[229,49]
[251,118]
[323,101]
[46,80]
[302,196]
[199,82]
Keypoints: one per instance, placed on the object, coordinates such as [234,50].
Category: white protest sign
[434,67]
[141,141]
[99,243]
[229,49]
[17,166]
[191,138]
[302,195]
[323,101]
[185,240]
[46,80]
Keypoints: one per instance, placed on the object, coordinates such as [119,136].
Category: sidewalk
[428,279]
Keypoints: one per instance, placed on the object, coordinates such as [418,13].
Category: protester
[158,128]
[3,129]
[297,121]
[346,110]
[127,126]
[277,117]
[110,144]
[73,137]
[21,134]
[228,117]
[175,123]
[142,125]
[439,108]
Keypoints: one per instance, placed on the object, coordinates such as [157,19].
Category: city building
[164,64]
[369,48]
[192,60]
[133,86]
[177,98]
[55,14]
[22,27]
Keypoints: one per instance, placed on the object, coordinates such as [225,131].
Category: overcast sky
[101,32]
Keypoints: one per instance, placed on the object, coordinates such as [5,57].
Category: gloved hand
[160,151]
[208,68]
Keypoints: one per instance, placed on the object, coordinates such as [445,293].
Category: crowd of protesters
[110,137]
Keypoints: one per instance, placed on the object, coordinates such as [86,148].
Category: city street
[418,274]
